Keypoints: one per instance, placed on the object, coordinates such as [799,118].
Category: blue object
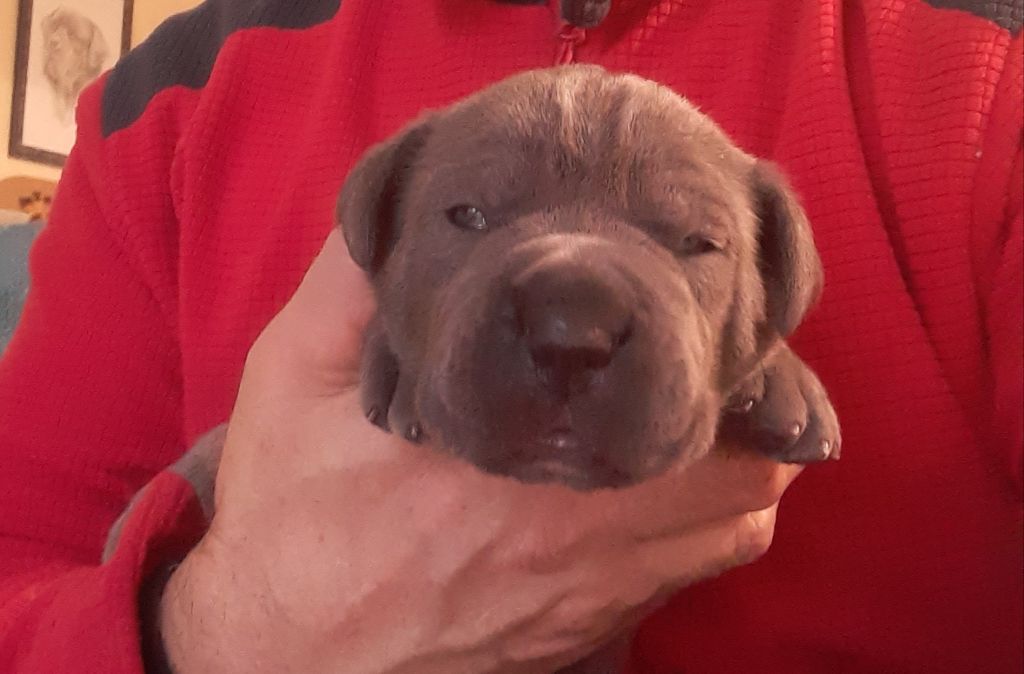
[15,243]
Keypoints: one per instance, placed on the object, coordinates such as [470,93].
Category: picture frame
[61,47]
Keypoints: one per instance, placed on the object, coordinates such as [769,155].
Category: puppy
[580,279]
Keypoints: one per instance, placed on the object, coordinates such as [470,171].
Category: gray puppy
[580,279]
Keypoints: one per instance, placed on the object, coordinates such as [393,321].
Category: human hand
[338,548]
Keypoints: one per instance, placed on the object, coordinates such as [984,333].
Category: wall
[148,14]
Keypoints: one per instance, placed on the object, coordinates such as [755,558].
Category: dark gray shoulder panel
[1007,13]
[182,51]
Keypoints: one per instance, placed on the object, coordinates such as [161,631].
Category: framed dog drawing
[62,46]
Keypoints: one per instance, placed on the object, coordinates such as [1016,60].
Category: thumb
[316,339]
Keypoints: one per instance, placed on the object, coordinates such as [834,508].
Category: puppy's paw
[784,411]
[402,417]
[387,399]
[378,376]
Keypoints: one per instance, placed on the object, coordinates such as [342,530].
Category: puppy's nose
[572,323]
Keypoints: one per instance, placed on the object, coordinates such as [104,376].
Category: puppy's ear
[367,208]
[788,259]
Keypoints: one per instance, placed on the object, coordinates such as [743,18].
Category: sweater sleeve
[1004,328]
[998,250]
[90,410]
[1006,346]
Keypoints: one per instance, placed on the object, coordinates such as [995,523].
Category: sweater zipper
[569,38]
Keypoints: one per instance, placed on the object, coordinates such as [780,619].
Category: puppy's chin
[583,474]
[584,460]
[579,478]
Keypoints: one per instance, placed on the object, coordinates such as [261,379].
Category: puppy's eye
[467,217]
[695,244]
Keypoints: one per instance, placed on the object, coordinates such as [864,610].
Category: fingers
[741,481]
[640,575]
[727,483]
[711,550]
[316,339]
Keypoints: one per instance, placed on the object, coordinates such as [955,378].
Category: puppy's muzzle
[566,363]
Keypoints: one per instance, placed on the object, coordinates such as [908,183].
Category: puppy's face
[573,269]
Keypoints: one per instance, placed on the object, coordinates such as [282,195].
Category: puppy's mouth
[558,453]
[581,475]
[564,456]
[561,440]
[560,444]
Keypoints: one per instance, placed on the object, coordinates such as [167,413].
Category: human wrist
[190,640]
[154,654]
[215,618]
[207,624]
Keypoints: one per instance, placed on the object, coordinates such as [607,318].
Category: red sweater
[202,184]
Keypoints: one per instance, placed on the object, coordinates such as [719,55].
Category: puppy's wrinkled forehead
[621,131]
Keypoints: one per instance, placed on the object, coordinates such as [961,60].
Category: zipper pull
[569,37]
